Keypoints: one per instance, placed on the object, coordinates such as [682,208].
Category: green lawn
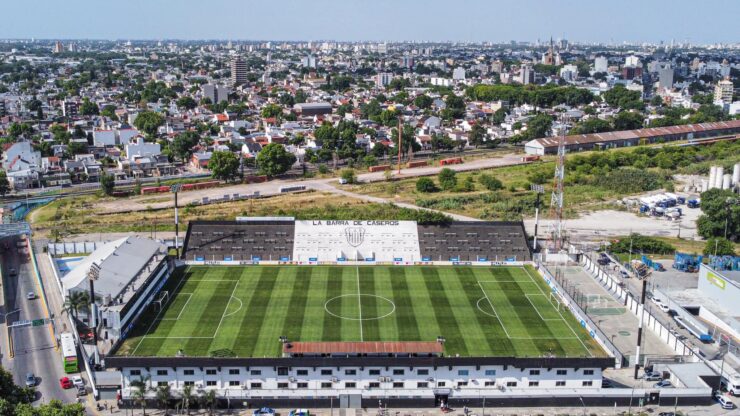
[242,311]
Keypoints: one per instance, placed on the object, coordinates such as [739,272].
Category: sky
[378,20]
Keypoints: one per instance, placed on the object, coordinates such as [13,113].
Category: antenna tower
[556,203]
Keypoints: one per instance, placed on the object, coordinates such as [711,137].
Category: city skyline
[435,20]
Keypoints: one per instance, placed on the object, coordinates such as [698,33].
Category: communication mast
[556,202]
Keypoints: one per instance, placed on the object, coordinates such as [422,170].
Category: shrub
[467,185]
[323,169]
[348,175]
[719,246]
[641,244]
[489,182]
[630,180]
[425,185]
[447,179]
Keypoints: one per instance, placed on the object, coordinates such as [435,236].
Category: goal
[164,296]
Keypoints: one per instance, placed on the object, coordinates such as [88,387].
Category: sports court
[243,311]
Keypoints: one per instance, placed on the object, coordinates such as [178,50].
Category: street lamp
[639,327]
[5,315]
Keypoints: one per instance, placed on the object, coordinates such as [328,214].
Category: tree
[592,125]
[139,394]
[4,183]
[477,135]
[447,179]
[76,301]
[348,175]
[720,210]
[426,185]
[423,101]
[186,102]
[539,126]
[455,107]
[273,159]
[164,395]
[16,401]
[300,96]
[209,401]
[109,111]
[187,397]
[628,120]
[223,165]
[719,246]
[89,108]
[148,122]
[183,143]
[107,183]
[656,101]
[271,110]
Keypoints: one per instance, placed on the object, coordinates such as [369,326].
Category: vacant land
[243,311]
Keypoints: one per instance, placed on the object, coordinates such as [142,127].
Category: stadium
[279,312]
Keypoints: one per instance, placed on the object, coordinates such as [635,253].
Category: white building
[601,64]
[569,72]
[382,79]
[632,60]
[458,74]
[723,92]
[140,148]
[114,137]
[442,82]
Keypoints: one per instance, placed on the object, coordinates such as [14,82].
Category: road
[34,346]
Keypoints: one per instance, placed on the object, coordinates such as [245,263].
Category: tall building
[601,64]
[458,74]
[58,47]
[497,66]
[383,79]
[665,78]
[632,60]
[631,72]
[407,62]
[70,108]
[309,61]
[723,92]
[238,71]
[215,93]
[526,74]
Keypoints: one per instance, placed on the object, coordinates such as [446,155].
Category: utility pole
[556,202]
[538,190]
[175,189]
[400,143]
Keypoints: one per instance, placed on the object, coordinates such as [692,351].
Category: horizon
[436,21]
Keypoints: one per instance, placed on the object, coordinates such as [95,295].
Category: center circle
[357,308]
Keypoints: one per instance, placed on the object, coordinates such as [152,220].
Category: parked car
[81,391]
[30,380]
[655,376]
[624,274]
[78,381]
[65,383]
[656,301]
[264,411]
[664,308]
[12,272]
[723,401]
[30,296]
[299,412]
[663,384]
[343,181]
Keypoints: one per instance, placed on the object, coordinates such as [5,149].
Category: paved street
[34,347]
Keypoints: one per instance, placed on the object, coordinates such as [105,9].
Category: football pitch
[243,311]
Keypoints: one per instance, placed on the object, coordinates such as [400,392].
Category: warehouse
[312,109]
[626,138]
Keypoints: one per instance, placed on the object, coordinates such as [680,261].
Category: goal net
[164,296]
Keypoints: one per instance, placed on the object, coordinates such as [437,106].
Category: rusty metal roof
[367,347]
[640,133]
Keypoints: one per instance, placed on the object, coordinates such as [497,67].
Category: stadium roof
[313,348]
[120,261]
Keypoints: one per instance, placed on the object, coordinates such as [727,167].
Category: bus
[69,353]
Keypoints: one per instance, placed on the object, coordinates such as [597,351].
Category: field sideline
[243,311]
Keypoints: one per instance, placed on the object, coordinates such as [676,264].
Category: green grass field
[242,311]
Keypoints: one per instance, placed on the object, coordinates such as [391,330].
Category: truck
[693,203]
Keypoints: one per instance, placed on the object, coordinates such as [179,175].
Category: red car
[65,382]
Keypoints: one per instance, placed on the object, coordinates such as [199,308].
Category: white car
[30,296]
[78,381]
[664,308]
[723,401]
[655,300]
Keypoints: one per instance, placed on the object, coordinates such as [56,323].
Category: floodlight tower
[556,202]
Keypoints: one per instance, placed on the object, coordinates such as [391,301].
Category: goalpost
[164,296]
[555,301]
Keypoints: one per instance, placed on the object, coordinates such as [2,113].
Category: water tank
[736,174]
[718,177]
[712,176]
[727,181]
